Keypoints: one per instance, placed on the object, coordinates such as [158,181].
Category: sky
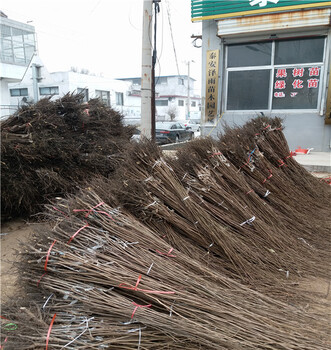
[105,36]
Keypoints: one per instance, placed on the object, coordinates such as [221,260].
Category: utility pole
[146,69]
[188,91]
[156,10]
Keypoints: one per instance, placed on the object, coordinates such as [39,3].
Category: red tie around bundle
[137,305]
[135,288]
[49,330]
[167,254]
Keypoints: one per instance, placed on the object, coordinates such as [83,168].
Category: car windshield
[165,125]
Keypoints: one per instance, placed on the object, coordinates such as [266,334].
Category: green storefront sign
[212,9]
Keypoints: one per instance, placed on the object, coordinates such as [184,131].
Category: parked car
[136,135]
[168,132]
[194,126]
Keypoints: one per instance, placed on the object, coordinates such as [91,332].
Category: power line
[172,37]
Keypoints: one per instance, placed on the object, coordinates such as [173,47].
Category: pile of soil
[51,147]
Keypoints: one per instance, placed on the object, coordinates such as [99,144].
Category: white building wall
[132,108]
[4,99]
[70,82]
[177,95]
[174,104]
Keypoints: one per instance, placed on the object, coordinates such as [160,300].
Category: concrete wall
[173,88]
[305,129]
[10,73]
[4,99]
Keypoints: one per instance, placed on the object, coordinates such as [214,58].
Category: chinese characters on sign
[296,83]
[296,88]
[262,3]
[211,85]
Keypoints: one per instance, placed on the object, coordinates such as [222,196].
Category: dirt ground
[12,233]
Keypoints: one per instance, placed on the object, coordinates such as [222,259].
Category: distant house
[38,83]
[175,97]
[17,47]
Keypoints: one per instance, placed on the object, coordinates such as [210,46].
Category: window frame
[20,45]
[26,91]
[50,89]
[100,95]
[272,67]
[85,91]
[161,103]
[119,97]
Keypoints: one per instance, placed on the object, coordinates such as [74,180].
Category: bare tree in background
[172,112]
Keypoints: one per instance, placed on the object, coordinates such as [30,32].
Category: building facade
[175,98]
[38,83]
[269,56]
[17,48]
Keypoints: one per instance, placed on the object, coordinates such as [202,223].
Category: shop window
[296,88]
[51,90]
[19,92]
[275,75]
[119,99]
[248,89]
[299,51]
[181,103]
[161,103]
[254,54]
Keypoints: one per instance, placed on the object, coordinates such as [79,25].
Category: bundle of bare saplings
[49,148]
[203,251]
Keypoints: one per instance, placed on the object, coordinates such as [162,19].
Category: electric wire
[172,37]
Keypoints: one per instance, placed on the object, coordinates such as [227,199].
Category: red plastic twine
[126,286]
[41,278]
[167,254]
[291,155]
[47,257]
[49,330]
[137,305]
[60,212]
[46,262]
[269,177]
[89,211]
[76,233]
[281,163]
[5,341]
[216,154]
